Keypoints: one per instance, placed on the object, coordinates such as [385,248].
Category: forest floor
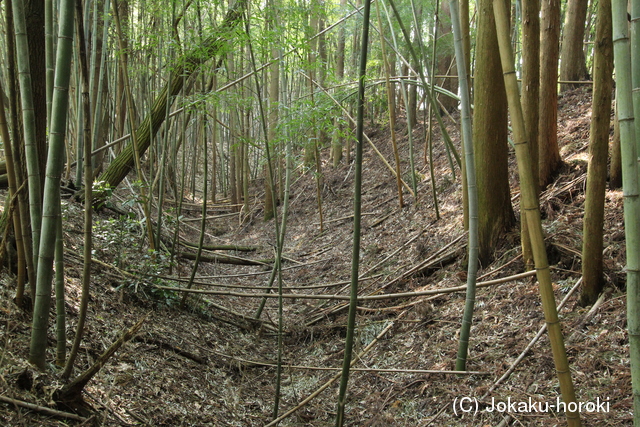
[210,364]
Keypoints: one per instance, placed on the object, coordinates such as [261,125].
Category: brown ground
[207,366]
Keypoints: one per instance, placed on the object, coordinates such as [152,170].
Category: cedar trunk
[495,214]
[592,277]
[573,66]
[549,159]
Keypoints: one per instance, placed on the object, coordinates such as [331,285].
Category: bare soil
[209,364]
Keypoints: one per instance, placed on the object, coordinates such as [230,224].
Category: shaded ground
[209,365]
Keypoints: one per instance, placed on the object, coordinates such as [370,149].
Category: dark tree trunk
[592,263]
[495,214]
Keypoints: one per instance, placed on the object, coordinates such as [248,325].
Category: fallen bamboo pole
[346,297]
[42,409]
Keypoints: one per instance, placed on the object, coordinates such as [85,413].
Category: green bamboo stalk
[12,181]
[472,267]
[635,63]
[357,207]
[134,137]
[203,221]
[280,229]
[61,323]
[282,234]
[428,149]
[163,162]
[532,211]
[51,202]
[80,142]
[414,181]
[49,52]
[20,176]
[29,125]
[629,149]
[93,57]
[88,183]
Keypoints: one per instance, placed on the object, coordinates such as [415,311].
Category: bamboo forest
[319,213]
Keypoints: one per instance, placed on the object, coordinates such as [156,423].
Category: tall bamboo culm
[635,63]
[472,194]
[532,211]
[629,150]
[17,225]
[357,210]
[88,184]
[29,123]
[51,201]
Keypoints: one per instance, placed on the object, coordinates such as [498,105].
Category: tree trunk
[549,154]
[495,214]
[573,66]
[592,278]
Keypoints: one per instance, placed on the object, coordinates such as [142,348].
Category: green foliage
[124,237]
[119,237]
[102,192]
[305,119]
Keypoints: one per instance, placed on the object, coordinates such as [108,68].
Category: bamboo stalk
[472,194]
[357,217]
[42,409]
[51,200]
[17,225]
[29,126]
[532,211]
[629,149]
[88,208]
